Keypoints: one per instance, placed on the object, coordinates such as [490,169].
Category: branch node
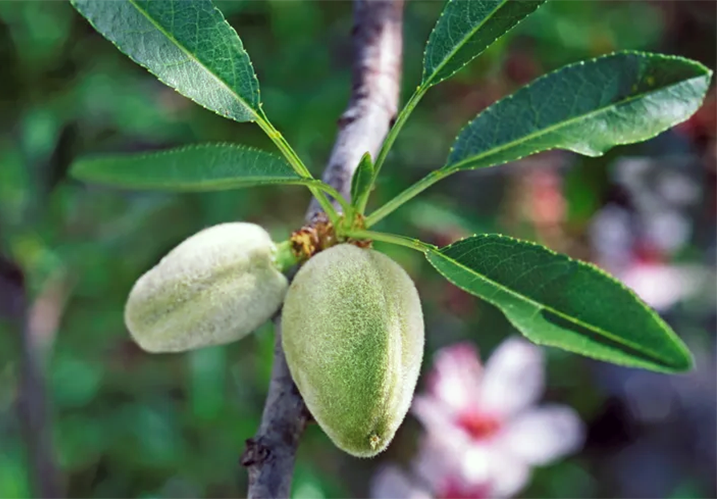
[255,453]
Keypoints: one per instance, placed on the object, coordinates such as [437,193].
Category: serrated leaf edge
[258,114]
[209,145]
[429,82]
[457,166]
[295,179]
[677,341]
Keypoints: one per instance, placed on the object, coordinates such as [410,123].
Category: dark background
[125,423]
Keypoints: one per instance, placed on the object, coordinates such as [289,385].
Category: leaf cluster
[587,107]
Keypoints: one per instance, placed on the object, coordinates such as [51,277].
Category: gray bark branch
[373,105]
[372,108]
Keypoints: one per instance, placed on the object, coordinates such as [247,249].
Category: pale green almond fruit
[352,332]
[216,287]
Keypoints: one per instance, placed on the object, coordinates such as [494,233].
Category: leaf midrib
[168,185]
[457,166]
[161,29]
[539,305]
[450,55]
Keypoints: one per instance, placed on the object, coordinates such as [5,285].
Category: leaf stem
[406,195]
[298,166]
[391,138]
[390,238]
[284,258]
[331,191]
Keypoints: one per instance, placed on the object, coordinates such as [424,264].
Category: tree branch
[377,54]
[372,108]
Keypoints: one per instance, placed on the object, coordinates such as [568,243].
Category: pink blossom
[663,285]
[483,429]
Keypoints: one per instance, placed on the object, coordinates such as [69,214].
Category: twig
[377,53]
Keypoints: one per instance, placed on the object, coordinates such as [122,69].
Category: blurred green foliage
[125,423]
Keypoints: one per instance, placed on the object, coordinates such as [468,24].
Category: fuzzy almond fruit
[353,335]
[216,287]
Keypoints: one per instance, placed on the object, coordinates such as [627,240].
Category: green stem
[391,137]
[298,166]
[406,195]
[331,191]
[284,258]
[390,238]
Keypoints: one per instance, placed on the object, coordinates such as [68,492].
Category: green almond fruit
[352,332]
[216,287]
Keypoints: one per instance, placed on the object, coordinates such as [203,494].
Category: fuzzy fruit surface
[352,332]
[216,287]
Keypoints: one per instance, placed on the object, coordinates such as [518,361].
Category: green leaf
[557,301]
[465,29]
[208,167]
[188,45]
[587,108]
[361,182]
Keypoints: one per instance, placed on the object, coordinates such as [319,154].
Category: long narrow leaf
[555,300]
[465,29]
[187,44]
[587,108]
[209,167]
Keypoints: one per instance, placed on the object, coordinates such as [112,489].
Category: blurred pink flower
[483,430]
[663,285]
[638,239]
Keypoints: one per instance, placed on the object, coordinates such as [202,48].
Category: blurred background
[117,422]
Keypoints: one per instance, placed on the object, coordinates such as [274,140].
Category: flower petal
[543,435]
[437,460]
[390,482]
[662,286]
[455,376]
[465,468]
[432,413]
[473,470]
[513,378]
[508,475]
